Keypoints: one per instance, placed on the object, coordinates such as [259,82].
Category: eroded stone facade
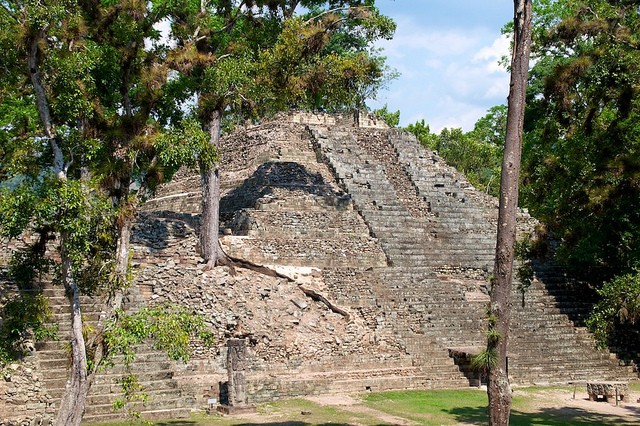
[397,243]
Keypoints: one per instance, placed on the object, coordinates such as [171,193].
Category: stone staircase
[153,369]
[374,197]
[546,343]
[434,223]
[456,233]
[467,216]
[380,226]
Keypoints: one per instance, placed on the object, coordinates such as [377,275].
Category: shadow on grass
[569,416]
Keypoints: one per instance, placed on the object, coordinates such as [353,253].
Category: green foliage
[132,391]
[185,145]
[391,118]
[24,317]
[485,360]
[169,328]
[18,120]
[422,132]
[303,70]
[619,305]
[492,333]
[581,163]
[491,128]
[249,66]
[71,207]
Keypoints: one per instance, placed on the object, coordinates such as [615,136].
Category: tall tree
[57,196]
[498,389]
[581,164]
[101,144]
[246,59]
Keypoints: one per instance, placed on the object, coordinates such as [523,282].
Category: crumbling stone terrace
[389,251]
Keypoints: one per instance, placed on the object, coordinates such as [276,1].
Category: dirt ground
[560,402]
[563,402]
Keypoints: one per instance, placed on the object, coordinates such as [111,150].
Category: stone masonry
[374,223]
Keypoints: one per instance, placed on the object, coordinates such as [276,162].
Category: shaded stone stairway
[153,369]
[546,345]
[376,200]
[467,216]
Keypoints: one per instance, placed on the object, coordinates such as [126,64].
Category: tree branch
[320,298]
[43,105]
[10,13]
[337,9]
[232,262]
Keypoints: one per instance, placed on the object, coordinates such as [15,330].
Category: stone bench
[618,391]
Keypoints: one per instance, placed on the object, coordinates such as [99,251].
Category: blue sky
[447,52]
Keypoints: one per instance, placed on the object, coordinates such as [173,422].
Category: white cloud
[499,87]
[410,36]
[495,52]
[453,112]
[449,77]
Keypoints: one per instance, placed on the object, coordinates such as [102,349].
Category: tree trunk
[122,265]
[74,399]
[42,105]
[498,388]
[210,219]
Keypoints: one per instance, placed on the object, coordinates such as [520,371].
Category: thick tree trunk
[74,399]
[210,220]
[498,388]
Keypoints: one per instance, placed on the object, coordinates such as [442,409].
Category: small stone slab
[608,390]
[236,409]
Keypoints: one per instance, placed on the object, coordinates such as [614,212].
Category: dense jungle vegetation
[581,153]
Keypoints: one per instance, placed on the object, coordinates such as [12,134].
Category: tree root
[320,298]
[232,262]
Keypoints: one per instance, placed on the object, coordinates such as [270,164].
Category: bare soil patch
[562,401]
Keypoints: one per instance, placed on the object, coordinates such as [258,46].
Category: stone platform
[608,391]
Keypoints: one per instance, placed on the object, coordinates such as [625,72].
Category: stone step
[57,378]
[95,410]
[160,414]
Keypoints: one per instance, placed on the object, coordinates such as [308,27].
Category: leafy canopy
[582,169]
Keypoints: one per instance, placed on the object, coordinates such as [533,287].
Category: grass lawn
[438,407]
[433,407]
[450,407]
